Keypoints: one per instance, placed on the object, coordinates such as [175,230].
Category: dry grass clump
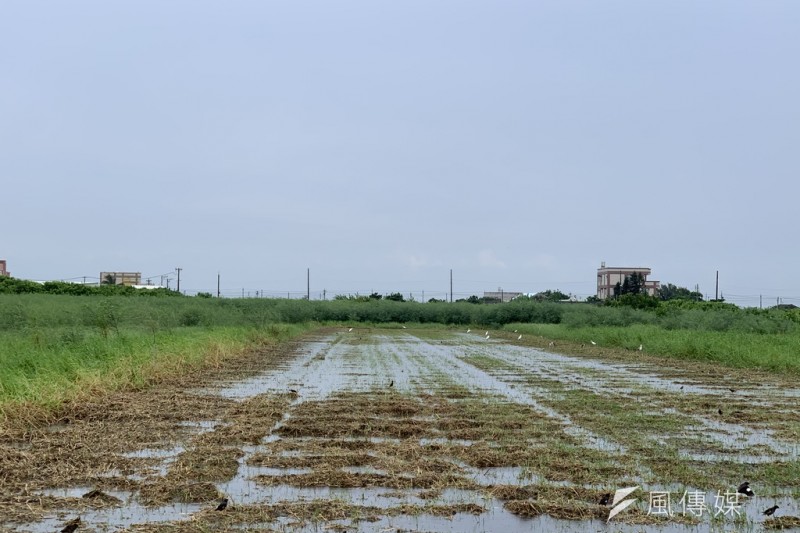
[167,490]
[337,460]
[450,509]
[513,492]
[206,463]
[782,522]
[247,422]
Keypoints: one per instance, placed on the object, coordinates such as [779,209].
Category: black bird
[771,510]
[681,387]
[72,525]
[293,391]
[391,384]
[223,504]
[745,489]
[719,411]
[605,499]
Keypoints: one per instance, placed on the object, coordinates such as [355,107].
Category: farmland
[395,427]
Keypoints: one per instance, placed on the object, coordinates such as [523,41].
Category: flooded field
[419,430]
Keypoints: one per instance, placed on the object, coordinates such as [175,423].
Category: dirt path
[389,430]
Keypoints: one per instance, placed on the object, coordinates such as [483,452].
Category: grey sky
[381,144]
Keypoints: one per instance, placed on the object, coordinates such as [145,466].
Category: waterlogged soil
[417,430]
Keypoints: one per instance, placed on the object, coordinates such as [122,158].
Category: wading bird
[745,489]
[468,330]
[351,329]
[391,384]
[593,343]
[72,525]
[223,504]
[771,510]
[640,347]
[552,343]
[519,338]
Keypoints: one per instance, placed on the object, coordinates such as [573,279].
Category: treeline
[9,285]
[111,313]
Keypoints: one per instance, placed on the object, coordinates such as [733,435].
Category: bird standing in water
[771,510]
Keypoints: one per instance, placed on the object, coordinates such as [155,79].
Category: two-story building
[608,277]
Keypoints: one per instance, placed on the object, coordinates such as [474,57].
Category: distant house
[3,271]
[502,296]
[120,278]
[608,277]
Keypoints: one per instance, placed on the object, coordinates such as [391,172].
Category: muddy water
[365,361]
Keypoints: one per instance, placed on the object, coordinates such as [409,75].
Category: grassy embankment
[56,348]
[738,338]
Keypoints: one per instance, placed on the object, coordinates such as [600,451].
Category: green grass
[57,348]
[738,349]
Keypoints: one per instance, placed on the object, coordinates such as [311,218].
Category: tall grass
[778,352]
[56,348]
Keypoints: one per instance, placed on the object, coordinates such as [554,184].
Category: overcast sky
[381,144]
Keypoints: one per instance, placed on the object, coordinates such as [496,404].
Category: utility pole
[179,278]
[308,284]
[217,284]
[716,291]
[451,285]
[759,301]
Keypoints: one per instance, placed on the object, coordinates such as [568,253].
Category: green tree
[669,291]
[395,297]
[550,296]
[633,284]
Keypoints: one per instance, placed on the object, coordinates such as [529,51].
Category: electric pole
[179,278]
[716,291]
[308,284]
[451,285]
[217,284]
